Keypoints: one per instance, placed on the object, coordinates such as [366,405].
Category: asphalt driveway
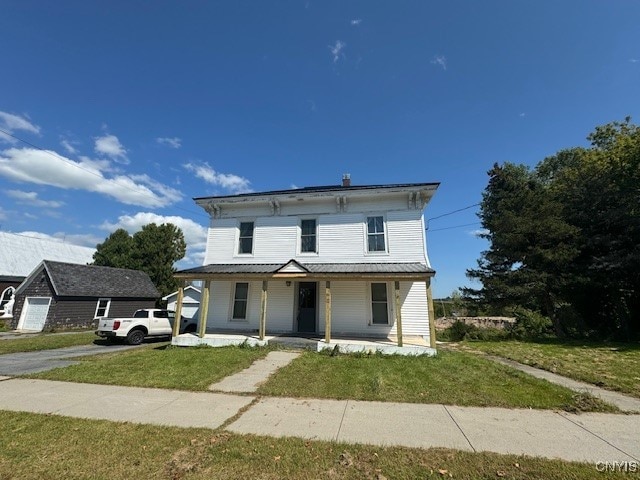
[33,362]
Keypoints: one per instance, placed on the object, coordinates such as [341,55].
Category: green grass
[36,446]
[30,343]
[163,367]
[613,366]
[452,378]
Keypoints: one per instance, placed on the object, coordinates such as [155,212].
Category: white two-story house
[342,261]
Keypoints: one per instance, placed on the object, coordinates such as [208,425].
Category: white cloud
[68,146]
[440,60]
[40,167]
[356,21]
[83,240]
[110,146]
[31,198]
[479,232]
[12,123]
[633,60]
[195,235]
[293,186]
[228,181]
[336,50]
[522,114]
[173,142]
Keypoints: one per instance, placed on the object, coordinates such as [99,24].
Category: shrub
[458,331]
[529,324]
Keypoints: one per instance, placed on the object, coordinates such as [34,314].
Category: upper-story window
[308,242]
[245,241]
[375,234]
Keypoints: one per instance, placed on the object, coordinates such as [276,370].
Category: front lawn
[182,368]
[45,341]
[453,378]
[36,446]
[611,366]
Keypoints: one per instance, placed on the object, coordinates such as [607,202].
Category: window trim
[253,238]
[316,251]
[233,302]
[388,302]
[385,234]
[106,309]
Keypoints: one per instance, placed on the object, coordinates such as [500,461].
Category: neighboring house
[64,295]
[341,259]
[190,302]
[20,254]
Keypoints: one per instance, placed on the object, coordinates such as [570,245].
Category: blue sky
[152,103]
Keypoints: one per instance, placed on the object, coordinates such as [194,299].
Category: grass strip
[452,378]
[42,447]
[182,368]
[614,366]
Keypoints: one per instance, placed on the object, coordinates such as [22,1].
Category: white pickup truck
[147,322]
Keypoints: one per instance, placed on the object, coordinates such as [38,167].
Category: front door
[307,304]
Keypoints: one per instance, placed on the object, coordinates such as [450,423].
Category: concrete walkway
[586,437]
[623,402]
[249,379]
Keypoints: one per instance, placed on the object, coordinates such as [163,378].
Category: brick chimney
[346,179]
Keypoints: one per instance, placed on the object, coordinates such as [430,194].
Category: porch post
[432,323]
[327,312]
[263,310]
[398,313]
[204,309]
[178,320]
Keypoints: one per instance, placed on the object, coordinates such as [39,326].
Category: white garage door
[35,313]
[190,311]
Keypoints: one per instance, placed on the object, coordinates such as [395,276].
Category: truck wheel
[135,337]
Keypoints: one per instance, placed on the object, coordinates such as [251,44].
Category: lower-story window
[379,304]
[240,299]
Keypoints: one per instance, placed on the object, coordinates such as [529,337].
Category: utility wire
[450,213]
[455,226]
[76,165]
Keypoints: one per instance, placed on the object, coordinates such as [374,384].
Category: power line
[450,213]
[455,226]
[76,165]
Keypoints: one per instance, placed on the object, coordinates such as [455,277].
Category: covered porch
[323,278]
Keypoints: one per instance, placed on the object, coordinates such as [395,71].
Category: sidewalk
[623,402]
[587,437]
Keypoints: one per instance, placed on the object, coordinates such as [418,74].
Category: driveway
[33,362]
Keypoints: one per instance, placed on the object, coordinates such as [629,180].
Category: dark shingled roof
[326,188]
[72,280]
[321,268]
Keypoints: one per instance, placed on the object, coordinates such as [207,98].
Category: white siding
[341,238]
[280,300]
[274,239]
[415,310]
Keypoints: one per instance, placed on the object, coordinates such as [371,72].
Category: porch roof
[410,271]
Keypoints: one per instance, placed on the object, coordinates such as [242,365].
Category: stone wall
[480,322]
